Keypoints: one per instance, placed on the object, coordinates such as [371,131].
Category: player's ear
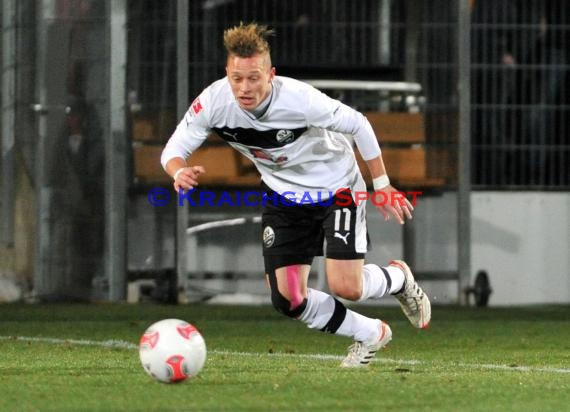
[272,73]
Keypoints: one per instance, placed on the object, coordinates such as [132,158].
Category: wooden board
[397,127]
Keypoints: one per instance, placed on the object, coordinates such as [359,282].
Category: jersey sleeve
[334,115]
[191,132]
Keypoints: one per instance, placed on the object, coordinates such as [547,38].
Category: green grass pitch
[84,358]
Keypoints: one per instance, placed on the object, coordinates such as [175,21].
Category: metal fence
[58,53]
[519,55]
[520,66]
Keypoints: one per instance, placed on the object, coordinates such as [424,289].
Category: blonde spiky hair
[247,40]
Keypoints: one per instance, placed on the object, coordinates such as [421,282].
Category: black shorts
[296,233]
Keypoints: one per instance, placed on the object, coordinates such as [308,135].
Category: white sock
[319,310]
[398,278]
[377,281]
[326,313]
[359,327]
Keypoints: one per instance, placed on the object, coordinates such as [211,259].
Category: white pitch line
[410,362]
[121,344]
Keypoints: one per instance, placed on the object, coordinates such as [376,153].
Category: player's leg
[291,296]
[346,247]
[348,276]
[321,311]
[292,235]
[352,280]
[370,335]
[347,244]
[287,277]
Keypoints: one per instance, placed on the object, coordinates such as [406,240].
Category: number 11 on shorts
[337,217]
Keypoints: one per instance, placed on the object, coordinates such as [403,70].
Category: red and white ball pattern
[172,350]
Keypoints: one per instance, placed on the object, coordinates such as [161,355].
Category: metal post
[116,155]
[409,243]
[42,269]
[413,10]
[8,121]
[182,72]
[464,150]
[384,40]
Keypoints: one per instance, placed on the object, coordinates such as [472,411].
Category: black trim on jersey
[267,139]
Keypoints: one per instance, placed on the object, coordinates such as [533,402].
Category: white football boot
[414,302]
[361,353]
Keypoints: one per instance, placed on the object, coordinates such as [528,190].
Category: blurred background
[92,89]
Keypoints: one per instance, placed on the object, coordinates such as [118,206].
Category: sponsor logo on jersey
[197,106]
[285,136]
[263,154]
[268,236]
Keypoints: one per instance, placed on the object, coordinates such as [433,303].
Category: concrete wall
[522,239]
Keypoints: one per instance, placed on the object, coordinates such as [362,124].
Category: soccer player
[293,133]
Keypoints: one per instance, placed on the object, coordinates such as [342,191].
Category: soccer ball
[172,350]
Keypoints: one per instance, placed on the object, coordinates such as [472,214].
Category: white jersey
[298,144]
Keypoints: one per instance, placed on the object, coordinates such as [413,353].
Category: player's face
[250,79]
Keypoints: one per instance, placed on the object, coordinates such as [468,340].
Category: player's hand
[395,205]
[187,177]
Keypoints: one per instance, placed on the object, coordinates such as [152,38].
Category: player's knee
[346,290]
[284,306]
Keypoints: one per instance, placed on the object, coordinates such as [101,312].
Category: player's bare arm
[398,207]
[185,177]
